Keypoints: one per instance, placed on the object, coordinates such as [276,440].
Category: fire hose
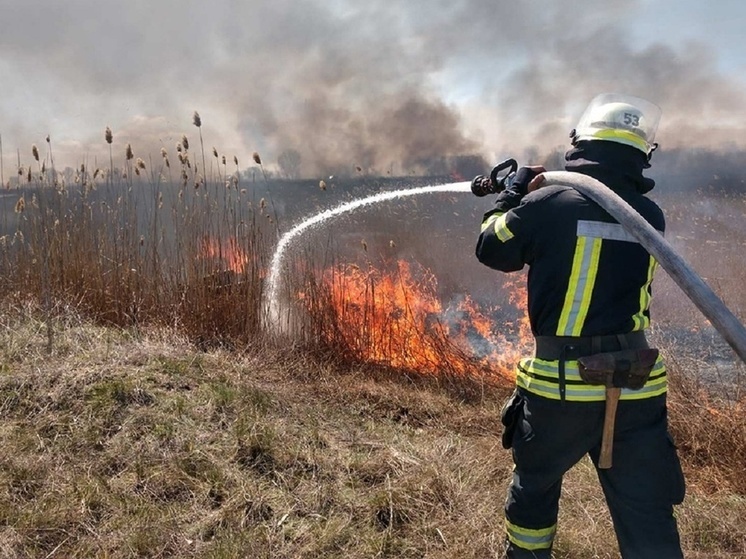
[677,268]
[729,327]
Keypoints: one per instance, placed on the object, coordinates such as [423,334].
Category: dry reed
[112,256]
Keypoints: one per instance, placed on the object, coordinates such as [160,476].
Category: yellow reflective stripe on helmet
[582,280]
[624,136]
[526,538]
[641,320]
[541,377]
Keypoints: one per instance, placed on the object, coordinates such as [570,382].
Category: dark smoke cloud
[699,104]
[378,85]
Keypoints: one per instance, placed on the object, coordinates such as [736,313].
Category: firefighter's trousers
[641,487]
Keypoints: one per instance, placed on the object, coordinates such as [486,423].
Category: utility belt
[572,347]
[587,369]
[587,365]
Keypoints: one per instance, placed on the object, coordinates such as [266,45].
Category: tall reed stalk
[109,137]
[197,121]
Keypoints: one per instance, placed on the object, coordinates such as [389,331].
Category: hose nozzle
[482,186]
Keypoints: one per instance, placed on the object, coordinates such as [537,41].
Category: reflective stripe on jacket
[587,276]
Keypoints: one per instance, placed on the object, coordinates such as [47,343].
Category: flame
[398,319]
[229,255]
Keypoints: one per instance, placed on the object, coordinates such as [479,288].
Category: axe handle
[607,440]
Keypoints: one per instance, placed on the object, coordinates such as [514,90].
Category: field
[146,412]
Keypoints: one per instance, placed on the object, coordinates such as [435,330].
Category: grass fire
[145,409]
[396,318]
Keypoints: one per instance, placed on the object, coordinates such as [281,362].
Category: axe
[607,439]
[625,368]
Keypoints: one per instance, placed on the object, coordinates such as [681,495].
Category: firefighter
[588,294]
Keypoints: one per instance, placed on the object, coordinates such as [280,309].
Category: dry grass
[132,250]
[143,412]
[139,444]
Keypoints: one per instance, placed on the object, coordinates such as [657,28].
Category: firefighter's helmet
[620,118]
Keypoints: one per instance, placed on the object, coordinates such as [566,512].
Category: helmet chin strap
[652,149]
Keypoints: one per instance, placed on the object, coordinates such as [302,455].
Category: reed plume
[198,123]
[109,137]
[20,205]
[129,153]
[258,161]
[164,155]
[51,157]
[185,142]
[35,152]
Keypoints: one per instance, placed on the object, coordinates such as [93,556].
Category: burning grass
[395,318]
[133,250]
[143,411]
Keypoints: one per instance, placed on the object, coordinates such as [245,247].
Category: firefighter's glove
[523,178]
[517,187]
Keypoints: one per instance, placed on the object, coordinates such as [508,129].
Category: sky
[380,84]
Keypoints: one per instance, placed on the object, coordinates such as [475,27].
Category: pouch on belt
[628,368]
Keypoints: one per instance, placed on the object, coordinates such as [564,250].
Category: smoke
[380,86]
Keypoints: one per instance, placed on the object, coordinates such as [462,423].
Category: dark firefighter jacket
[587,276]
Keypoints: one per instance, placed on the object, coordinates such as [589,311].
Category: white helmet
[620,118]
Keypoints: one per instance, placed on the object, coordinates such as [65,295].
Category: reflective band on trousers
[527,538]
[541,377]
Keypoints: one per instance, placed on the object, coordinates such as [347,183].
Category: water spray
[688,280]
[272,304]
